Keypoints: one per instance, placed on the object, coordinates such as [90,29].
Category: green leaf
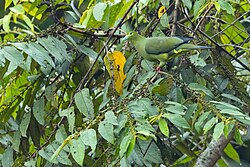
[61,158]
[27,20]
[77,150]
[231,112]
[13,55]
[89,52]
[37,52]
[125,144]
[209,124]
[61,134]
[110,118]
[164,20]
[164,127]
[147,105]
[131,146]
[25,123]
[57,48]
[163,87]
[244,119]
[7,157]
[113,14]
[6,22]
[38,111]
[198,87]
[188,4]
[197,61]
[198,7]
[71,118]
[70,114]
[238,136]
[175,107]
[18,9]
[226,6]
[7,4]
[107,131]
[16,141]
[47,152]
[232,153]
[177,120]
[98,11]
[199,123]
[223,105]
[218,130]
[89,138]
[151,152]
[84,103]
[232,97]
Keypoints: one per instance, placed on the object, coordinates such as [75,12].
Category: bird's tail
[188,46]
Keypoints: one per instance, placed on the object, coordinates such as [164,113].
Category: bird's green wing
[159,45]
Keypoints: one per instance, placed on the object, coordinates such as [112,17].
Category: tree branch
[175,15]
[213,152]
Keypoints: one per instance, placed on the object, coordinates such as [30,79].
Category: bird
[162,49]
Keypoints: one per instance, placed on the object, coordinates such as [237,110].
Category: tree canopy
[73,93]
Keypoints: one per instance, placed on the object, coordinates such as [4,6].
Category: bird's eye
[131,33]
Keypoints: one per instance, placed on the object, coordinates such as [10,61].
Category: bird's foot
[158,70]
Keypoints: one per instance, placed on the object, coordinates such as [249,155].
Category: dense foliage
[67,98]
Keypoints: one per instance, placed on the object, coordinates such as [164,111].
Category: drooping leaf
[188,4]
[114,63]
[163,87]
[107,131]
[7,157]
[225,5]
[89,138]
[110,118]
[198,87]
[98,11]
[57,48]
[25,123]
[177,120]
[218,130]
[198,7]
[164,127]
[16,141]
[77,150]
[37,52]
[84,103]
[210,123]
[238,137]
[38,111]
[175,107]
[6,22]
[13,55]
[70,114]
[125,144]
[232,153]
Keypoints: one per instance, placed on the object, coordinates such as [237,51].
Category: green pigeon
[162,49]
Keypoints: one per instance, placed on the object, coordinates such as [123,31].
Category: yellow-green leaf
[6,22]
[27,20]
[232,153]
[164,127]
[7,4]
